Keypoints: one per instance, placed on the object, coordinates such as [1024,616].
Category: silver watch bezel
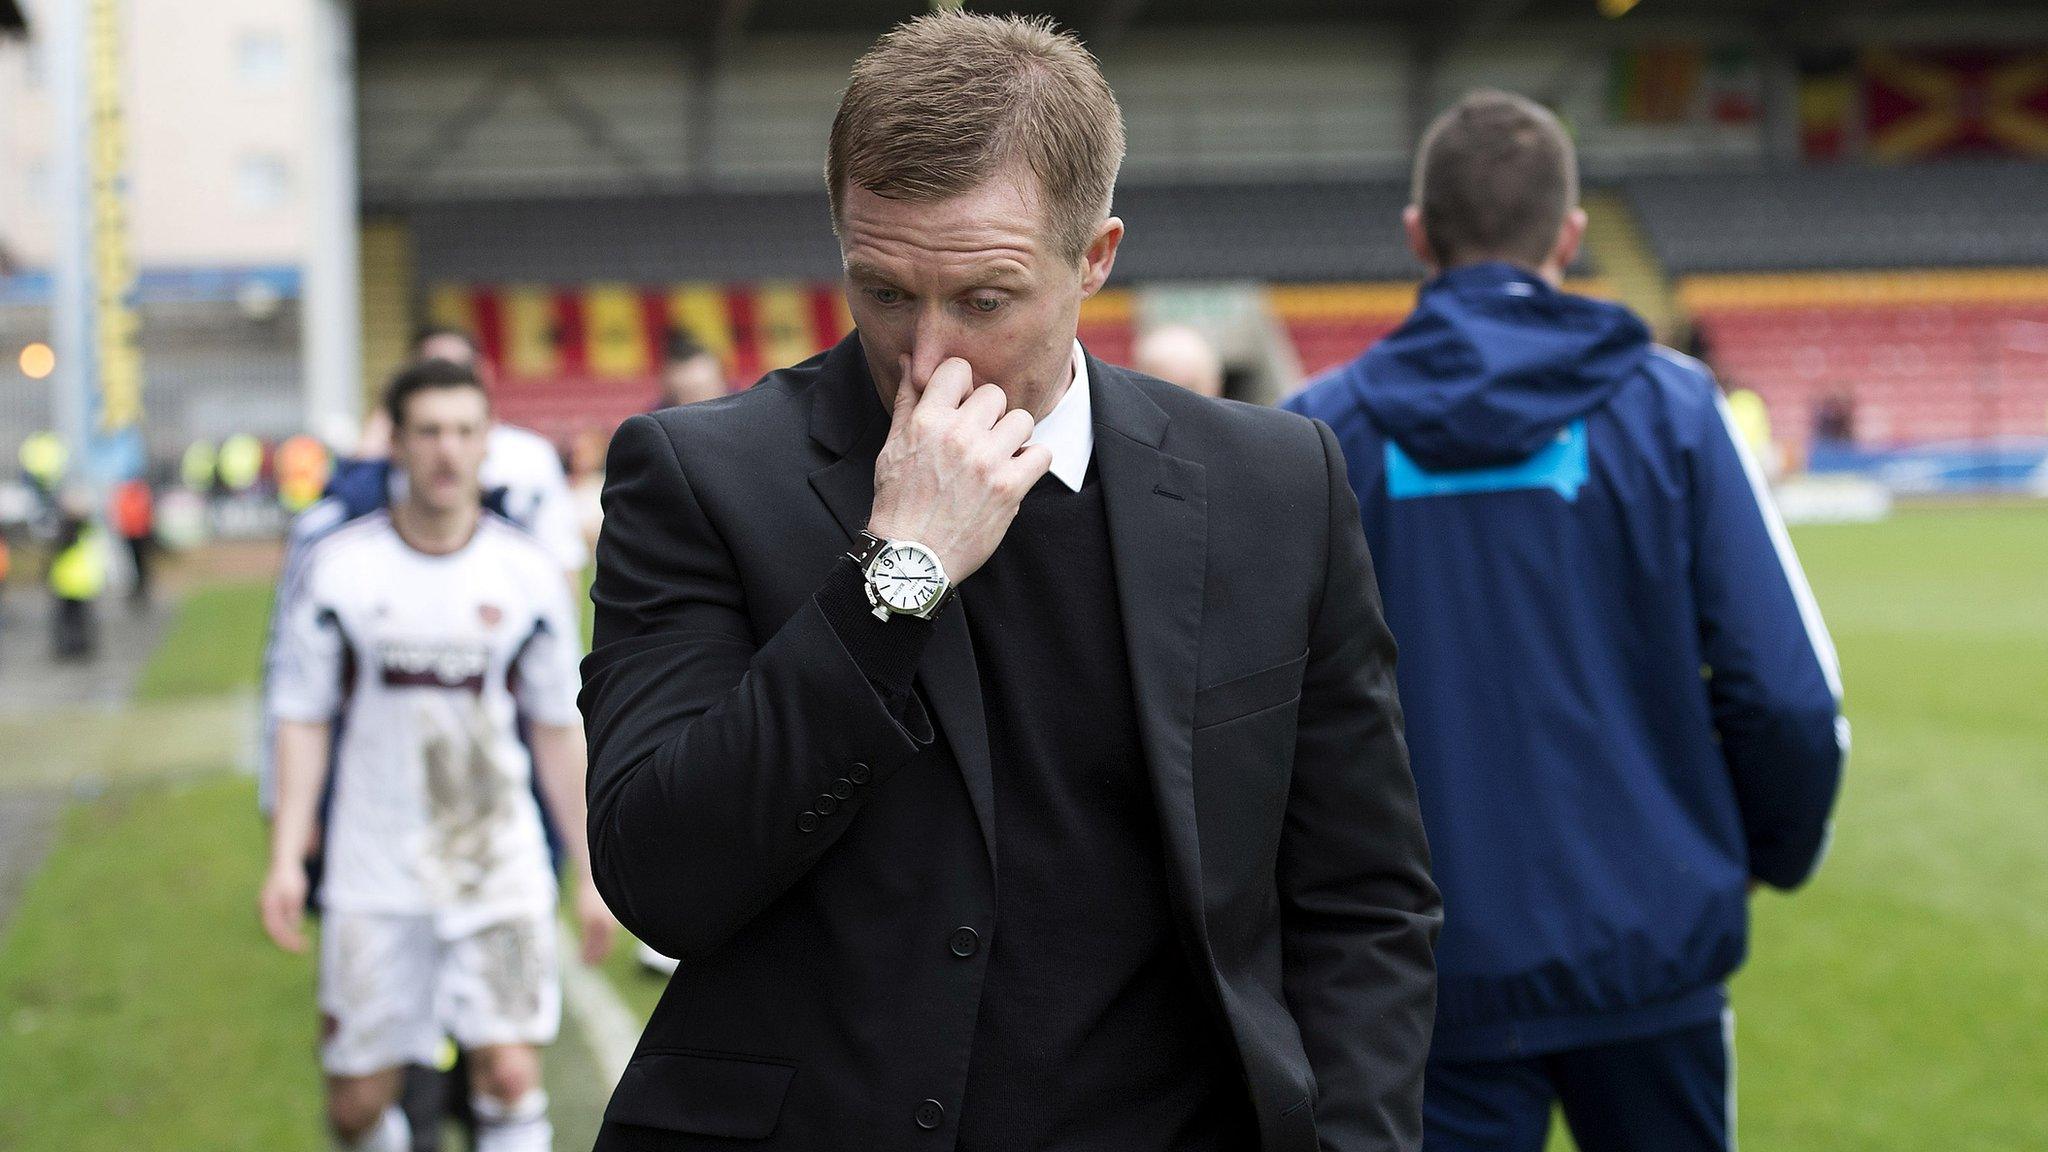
[880,605]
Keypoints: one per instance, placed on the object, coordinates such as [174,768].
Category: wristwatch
[902,577]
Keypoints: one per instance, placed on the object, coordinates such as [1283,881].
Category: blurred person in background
[1746,406]
[44,460]
[586,481]
[689,372]
[522,479]
[1834,420]
[1179,354]
[6,571]
[422,637]
[77,576]
[133,510]
[522,467]
[1570,530]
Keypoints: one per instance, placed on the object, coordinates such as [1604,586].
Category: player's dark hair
[681,348]
[428,376]
[1494,177]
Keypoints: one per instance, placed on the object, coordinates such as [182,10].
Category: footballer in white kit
[419,639]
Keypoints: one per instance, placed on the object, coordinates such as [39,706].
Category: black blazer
[819,1005]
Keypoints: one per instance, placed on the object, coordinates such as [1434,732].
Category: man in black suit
[1006,743]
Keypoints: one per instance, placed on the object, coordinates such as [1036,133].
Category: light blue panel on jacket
[1562,467]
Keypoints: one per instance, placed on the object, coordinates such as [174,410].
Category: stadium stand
[570,358]
[1914,293]
[1288,232]
[1929,355]
[1952,214]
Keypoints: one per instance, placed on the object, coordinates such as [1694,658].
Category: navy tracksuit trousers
[1673,1092]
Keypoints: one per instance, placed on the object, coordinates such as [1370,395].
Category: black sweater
[1093,1033]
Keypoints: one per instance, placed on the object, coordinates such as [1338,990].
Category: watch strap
[866,546]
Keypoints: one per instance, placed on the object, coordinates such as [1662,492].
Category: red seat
[1916,371]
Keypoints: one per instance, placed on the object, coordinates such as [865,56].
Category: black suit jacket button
[860,774]
[930,1114]
[808,822]
[843,788]
[826,804]
[964,942]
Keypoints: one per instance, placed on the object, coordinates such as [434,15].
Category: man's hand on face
[955,468]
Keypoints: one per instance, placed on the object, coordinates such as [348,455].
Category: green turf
[214,646]
[639,986]
[1901,1000]
[140,1004]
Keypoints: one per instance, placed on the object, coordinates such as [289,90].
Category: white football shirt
[429,662]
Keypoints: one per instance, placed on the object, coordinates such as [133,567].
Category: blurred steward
[133,512]
[43,462]
[1746,407]
[77,576]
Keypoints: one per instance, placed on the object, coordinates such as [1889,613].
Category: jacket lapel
[1157,507]
[847,419]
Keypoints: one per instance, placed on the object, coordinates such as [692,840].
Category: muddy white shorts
[391,987]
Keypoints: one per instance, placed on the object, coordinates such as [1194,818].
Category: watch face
[907,579]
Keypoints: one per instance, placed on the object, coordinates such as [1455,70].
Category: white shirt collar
[1069,429]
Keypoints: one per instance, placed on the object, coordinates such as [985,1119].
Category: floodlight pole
[330,300]
[71,306]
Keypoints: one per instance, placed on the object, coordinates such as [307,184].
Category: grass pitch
[1897,1003]
[1901,1000]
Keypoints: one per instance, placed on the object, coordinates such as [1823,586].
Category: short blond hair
[943,101]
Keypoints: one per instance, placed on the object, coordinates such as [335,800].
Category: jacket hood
[1492,364]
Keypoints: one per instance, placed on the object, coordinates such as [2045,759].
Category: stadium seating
[1331,324]
[1287,232]
[1953,214]
[1923,356]
[570,358]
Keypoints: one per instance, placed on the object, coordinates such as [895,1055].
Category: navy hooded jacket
[1622,704]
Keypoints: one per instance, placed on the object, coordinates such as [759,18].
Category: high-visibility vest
[1753,420]
[195,468]
[240,462]
[80,571]
[44,458]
